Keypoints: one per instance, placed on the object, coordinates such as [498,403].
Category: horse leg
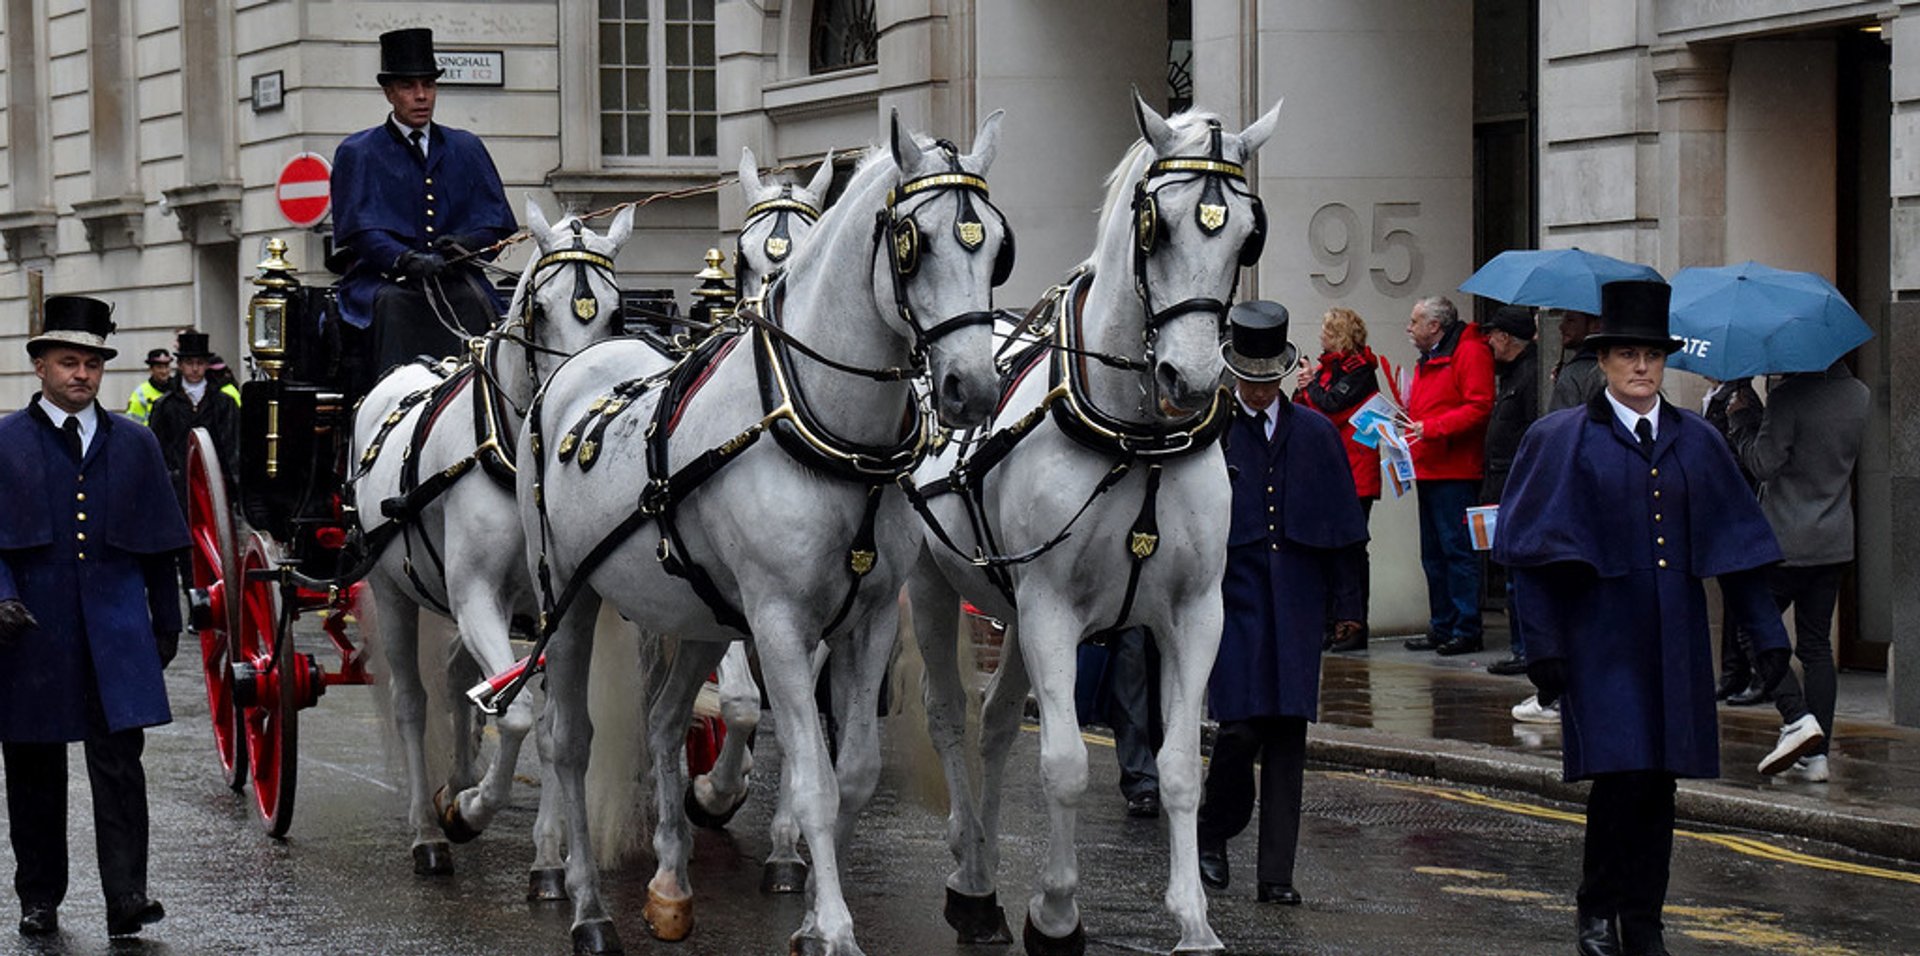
[808,774]
[483,633]
[785,871]
[568,654]
[1001,715]
[400,636]
[1049,645]
[462,672]
[547,880]
[717,795]
[669,910]
[859,668]
[1187,651]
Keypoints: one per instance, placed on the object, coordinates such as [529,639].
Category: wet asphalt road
[1388,865]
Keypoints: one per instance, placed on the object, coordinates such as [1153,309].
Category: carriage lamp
[267,310]
[713,297]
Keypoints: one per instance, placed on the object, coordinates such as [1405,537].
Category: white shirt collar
[406,133]
[1630,419]
[196,391]
[1253,412]
[89,418]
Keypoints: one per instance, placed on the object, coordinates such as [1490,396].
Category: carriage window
[657,95]
[844,35]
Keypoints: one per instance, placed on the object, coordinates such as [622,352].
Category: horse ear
[906,153]
[622,227]
[749,173]
[537,224]
[986,142]
[1256,135]
[1152,125]
[822,182]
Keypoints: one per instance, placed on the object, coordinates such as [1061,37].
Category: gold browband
[1234,170]
[776,205]
[574,255]
[939,181]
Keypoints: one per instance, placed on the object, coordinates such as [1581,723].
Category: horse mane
[877,165]
[1192,127]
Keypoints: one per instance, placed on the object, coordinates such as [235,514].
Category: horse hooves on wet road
[596,938]
[783,876]
[979,920]
[432,859]
[699,815]
[815,946]
[451,822]
[547,884]
[670,920]
[1208,951]
[1040,944]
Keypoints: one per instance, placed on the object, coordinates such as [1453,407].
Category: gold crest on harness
[777,248]
[861,561]
[1212,217]
[1143,544]
[586,308]
[587,450]
[971,234]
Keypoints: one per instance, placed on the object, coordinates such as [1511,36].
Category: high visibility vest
[231,391]
[141,404]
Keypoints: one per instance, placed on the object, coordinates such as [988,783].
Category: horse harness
[779,241]
[1218,175]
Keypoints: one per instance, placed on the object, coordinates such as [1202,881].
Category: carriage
[276,541]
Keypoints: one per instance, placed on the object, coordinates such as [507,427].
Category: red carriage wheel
[268,676]
[216,583]
[704,739]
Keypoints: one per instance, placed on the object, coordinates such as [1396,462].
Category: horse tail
[618,765]
[926,781]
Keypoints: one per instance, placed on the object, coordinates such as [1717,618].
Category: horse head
[1195,223]
[779,216]
[567,298]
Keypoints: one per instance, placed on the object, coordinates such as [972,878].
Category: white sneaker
[1529,711]
[1811,769]
[1796,739]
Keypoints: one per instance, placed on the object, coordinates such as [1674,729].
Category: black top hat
[75,321]
[1634,312]
[1515,320]
[193,345]
[159,357]
[407,54]
[1258,350]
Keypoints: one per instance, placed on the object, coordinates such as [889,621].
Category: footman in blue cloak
[1295,513]
[1610,529]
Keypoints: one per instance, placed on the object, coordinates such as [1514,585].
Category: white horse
[791,541]
[1131,446]
[435,457]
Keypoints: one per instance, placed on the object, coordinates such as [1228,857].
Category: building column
[1691,103]
[1903,363]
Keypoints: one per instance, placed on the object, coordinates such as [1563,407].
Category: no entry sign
[302,189]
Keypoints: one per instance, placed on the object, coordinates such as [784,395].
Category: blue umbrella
[1552,278]
[1753,319]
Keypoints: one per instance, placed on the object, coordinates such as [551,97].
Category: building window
[657,96]
[1179,55]
[844,35]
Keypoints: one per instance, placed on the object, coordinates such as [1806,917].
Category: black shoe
[1280,893]
[1508,667]
[1731,684]
[1596,935]
[1640,935]
[1460,645]
[1357,642]
[1754,694]
[127,917]
[1213,867]
[1426,643]
[39,919]
[1145,806]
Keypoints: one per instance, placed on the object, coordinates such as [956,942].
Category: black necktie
[71,430]
[1260,422]
[1644,430]
[419,149]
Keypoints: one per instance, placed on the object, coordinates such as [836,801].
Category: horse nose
[961,405]
[1175,387]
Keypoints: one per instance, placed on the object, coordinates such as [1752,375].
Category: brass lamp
[267,310]
[713,297]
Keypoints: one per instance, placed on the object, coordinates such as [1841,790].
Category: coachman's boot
[1641,935]
[1596,935]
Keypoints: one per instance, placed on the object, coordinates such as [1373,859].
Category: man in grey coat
[1577,380]
[1802,450]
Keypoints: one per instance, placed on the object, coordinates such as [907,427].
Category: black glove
[15,622]
[420,265]
[451,246]
[1772,665]
[168,643]
[1549,677]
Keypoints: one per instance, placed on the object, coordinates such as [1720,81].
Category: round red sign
[302,189]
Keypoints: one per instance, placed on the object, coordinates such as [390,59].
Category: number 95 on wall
[1382,244]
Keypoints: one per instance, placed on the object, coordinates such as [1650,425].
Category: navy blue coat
[88,549]
[1608,547]
[1294,509]
[385,204]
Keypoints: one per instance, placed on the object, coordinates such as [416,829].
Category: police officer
[410,198]
[1613,513]
[159,376]
[89,614]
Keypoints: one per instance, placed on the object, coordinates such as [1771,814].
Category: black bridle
[905,243]
[779,241]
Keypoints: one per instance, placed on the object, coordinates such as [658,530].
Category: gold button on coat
[1663,562]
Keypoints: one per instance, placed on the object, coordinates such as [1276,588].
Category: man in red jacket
[1447,409]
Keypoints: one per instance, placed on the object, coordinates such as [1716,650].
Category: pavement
[1414,712]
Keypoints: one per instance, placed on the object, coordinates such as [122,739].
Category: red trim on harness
[673,421]
[446,400]
[1039,358]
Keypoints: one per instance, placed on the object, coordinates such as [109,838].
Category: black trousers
[1811,591]
[1133,708]
[1629,850]
[405,325]
[1226,805]
[1356,565]
[37,811]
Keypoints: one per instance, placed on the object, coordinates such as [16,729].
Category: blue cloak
[1294,509]
[88,549]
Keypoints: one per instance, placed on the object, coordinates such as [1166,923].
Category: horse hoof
[432,859]
[670,920]
[979,920]
[546,884]
[451,822]
[808,946]
[699,815]
[1205,951]
[596,938]
[1040,944]
[783,876]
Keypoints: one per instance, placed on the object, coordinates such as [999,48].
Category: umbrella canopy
[1552,278]
[1753,319]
